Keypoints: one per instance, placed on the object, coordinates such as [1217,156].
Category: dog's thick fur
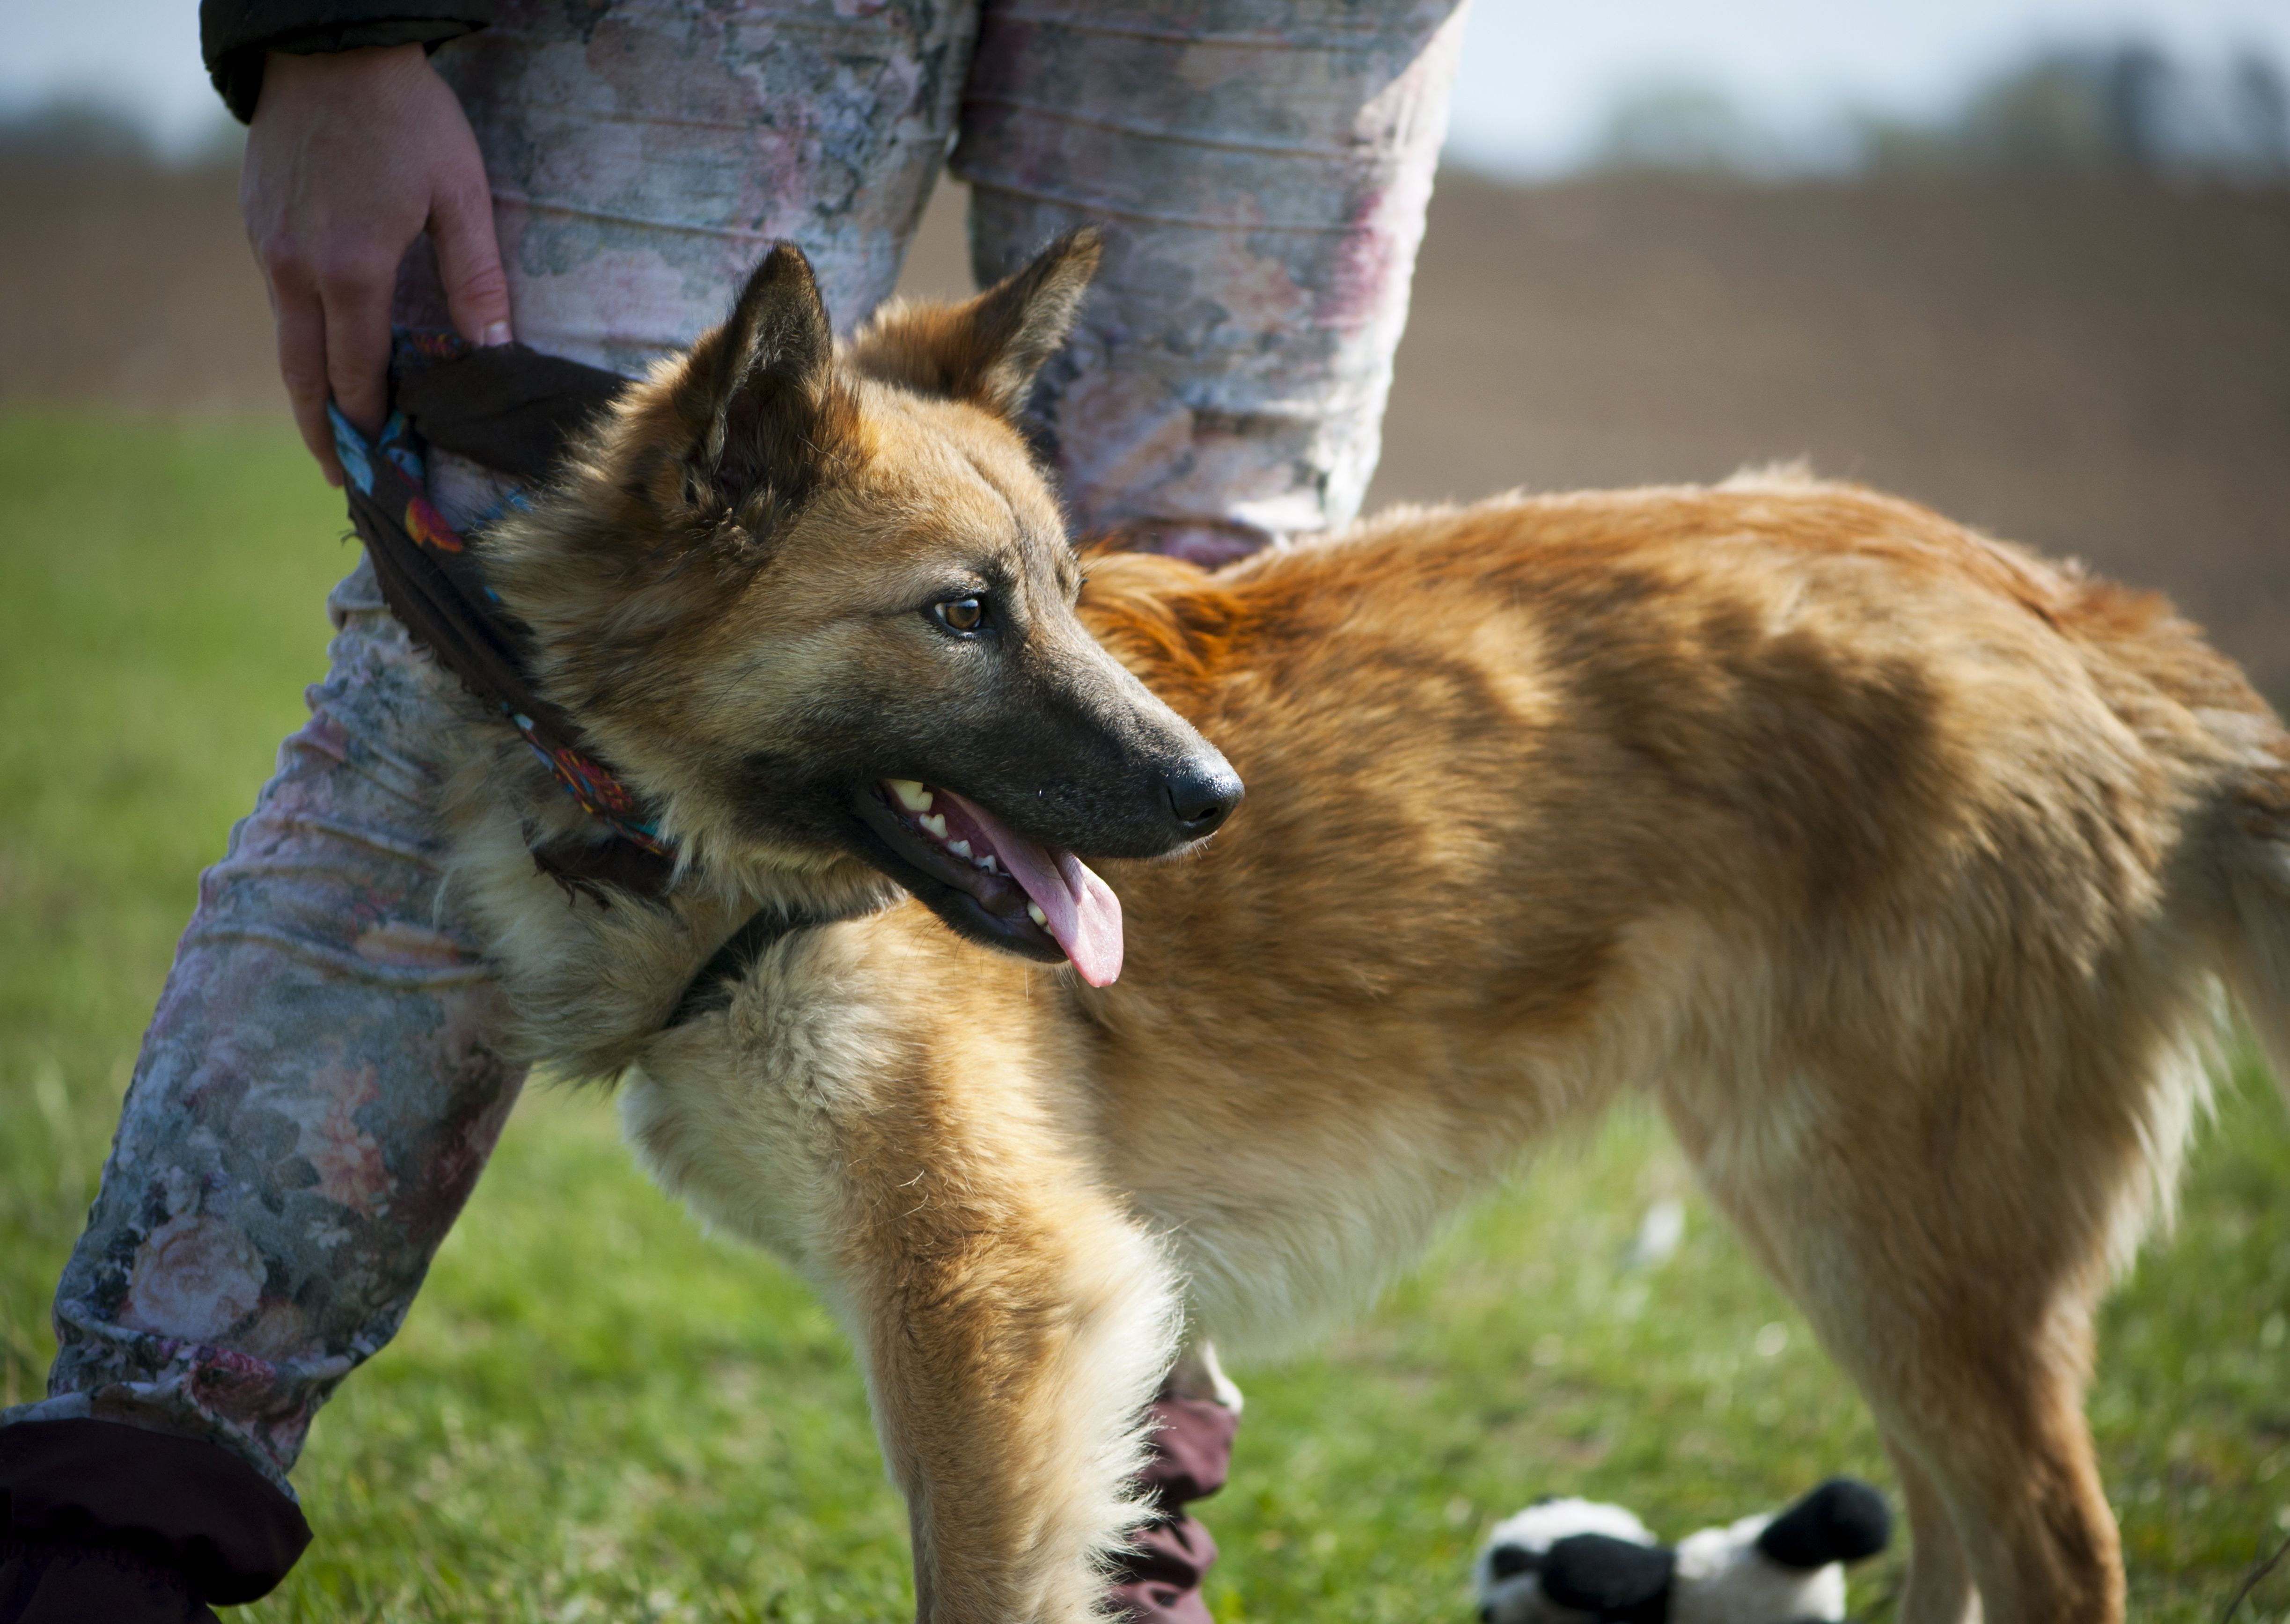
[1901,868]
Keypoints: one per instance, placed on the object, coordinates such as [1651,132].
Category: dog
[1907,872]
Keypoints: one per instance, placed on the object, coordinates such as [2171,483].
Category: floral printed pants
[318,1089]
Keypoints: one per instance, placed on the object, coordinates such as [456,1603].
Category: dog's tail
[2257,934]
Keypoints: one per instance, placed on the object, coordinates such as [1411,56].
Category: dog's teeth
[988,863]
[912,795]
[936,826]
[960,848]
[1034,912]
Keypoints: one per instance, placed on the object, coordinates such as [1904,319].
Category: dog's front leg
[895,1113]
[1017,1322]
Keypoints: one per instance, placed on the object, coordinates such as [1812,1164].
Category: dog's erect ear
[757,399]
[987,349]
[1016,326]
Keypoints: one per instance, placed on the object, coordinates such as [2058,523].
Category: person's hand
[350,156]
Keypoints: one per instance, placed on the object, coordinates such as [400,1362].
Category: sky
[1537,74]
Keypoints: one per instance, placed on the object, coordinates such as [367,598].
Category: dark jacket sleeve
[234,34]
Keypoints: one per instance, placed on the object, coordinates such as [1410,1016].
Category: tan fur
[1901,868]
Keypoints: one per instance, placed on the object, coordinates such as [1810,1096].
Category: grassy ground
[596,1413]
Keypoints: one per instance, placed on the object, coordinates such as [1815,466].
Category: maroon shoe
[1158,1578]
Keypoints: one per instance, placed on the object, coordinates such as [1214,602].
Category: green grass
[594,1412]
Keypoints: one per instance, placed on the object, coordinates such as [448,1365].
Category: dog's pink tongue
[1079,909]
[1095,945]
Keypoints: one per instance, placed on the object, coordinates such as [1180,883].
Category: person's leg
[319,1087]
[1260,169]
[315,1097]
[315,1093]
[644,154]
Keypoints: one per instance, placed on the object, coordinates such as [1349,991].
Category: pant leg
[643,154]
[319,1087]
[314,1096]
[1260,169]
[1168,1559]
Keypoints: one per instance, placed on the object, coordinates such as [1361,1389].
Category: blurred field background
[2044,318]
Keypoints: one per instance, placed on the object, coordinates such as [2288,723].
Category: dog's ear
[757,401]
[987,349]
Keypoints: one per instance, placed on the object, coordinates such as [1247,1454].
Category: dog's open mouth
[1037,898]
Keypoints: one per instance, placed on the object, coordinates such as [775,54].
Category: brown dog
[1901,868]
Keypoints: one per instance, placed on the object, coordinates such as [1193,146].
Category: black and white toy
[1577,1562]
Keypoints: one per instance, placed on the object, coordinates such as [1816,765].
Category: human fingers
[302,366]
[356,299]
[337,180]
[469,253]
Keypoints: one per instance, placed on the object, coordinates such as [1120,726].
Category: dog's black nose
[1202,792]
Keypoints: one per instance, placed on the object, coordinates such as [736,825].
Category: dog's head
[820,606]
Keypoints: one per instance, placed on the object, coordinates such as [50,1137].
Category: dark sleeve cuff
[234,35]
[179,1505]
[53,1582]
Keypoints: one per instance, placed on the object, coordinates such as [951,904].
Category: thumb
[468,262]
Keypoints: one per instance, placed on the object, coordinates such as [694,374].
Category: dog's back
[1900,866]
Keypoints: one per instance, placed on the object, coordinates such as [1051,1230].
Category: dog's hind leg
[1954,1280]
[1940,1590]
[1997,1436]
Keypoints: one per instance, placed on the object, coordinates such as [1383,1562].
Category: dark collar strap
[711,988]
[511,408]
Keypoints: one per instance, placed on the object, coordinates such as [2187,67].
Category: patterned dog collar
[512,409]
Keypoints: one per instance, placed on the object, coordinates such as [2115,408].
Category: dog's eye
[962,614]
